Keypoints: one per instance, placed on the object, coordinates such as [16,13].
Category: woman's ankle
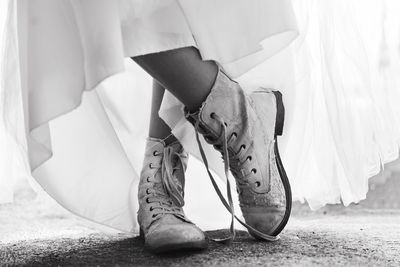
[167,140]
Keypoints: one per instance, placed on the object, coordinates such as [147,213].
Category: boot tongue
[170,156]
[172,161]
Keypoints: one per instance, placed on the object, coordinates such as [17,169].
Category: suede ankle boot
[244,128]
[162,221]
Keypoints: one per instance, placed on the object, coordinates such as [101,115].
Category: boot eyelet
[258,184]
[243,147]
[254,171]
[155,153]
[212,114]
[148,191]
[150,166]
[151,209]
[154,215]
[249,158]
[148,179]
[234,134]
[147,201]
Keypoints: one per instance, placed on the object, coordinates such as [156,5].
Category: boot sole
[279,122]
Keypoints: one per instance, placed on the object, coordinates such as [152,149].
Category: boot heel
[280,108]
[280,113]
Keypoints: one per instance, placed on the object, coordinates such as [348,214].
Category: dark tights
[183,73]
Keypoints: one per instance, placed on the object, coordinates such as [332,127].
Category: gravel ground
[367,234]
[366,238]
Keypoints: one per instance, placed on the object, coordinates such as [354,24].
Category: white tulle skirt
[75,108]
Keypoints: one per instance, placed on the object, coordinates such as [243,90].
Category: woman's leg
[158,128]
[161,188]
[242,127]
[161,218]
[183,73]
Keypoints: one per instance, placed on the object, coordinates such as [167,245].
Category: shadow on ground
[366,234]
[321,240]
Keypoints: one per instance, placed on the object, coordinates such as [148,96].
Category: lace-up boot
[244,128]
[163,223]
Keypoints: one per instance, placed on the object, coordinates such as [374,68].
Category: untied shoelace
[169,184]
[227,203]
[168,180]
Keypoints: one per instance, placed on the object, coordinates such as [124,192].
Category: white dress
[78,111]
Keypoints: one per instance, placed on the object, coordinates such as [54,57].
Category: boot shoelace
[172,189]
[222,140]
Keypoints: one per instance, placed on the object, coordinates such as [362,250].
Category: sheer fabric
[85,108]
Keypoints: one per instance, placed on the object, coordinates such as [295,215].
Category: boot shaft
[162,181]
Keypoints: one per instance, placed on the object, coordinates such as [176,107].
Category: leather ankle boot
[163,223]
[244,128]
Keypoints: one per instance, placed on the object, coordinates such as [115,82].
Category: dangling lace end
[225,241]
[168,180]
[228,204]
[228,183]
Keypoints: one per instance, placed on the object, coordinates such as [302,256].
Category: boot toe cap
[168,238]
[265,220]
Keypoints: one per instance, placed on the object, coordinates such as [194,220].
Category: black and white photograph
[199,133]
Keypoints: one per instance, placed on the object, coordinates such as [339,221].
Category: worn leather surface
[250,133]
[161,218]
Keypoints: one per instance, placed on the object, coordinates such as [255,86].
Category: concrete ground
[364,238]
[367,234]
